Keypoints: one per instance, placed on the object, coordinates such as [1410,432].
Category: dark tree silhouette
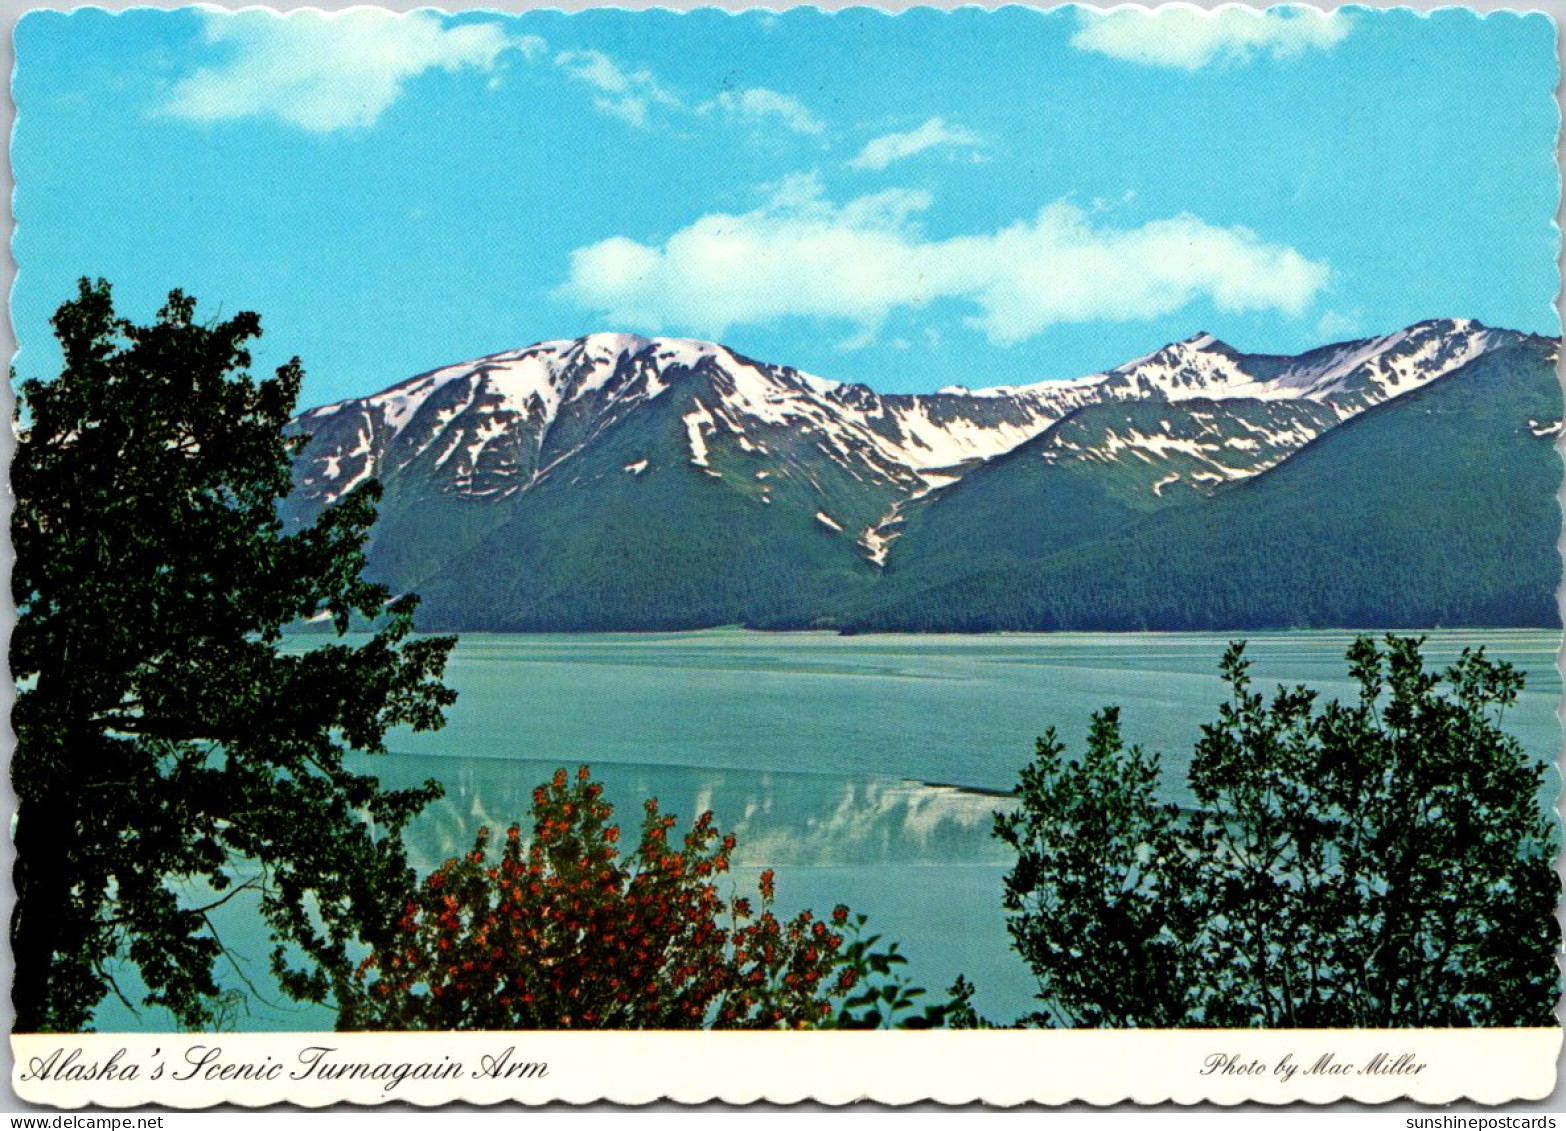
[171,750]
[1380,863]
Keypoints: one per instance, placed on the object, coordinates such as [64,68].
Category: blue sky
[965,197]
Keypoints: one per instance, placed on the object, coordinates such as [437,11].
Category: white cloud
[325,71]
[627,95]
[800,255]
[1189,38]
[632,95]
[880,152]
[1061,268]
[760,106]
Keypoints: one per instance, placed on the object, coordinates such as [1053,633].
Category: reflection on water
[780,820]
[813,751]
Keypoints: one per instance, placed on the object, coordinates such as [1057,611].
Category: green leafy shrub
[1380,863]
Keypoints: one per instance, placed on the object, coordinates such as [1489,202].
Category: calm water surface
[865,770]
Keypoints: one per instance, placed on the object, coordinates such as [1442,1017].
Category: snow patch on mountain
[878,541]
[693,429]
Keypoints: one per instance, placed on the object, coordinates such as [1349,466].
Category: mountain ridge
[1443,514]
[504,463]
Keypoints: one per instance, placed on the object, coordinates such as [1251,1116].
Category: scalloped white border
[1489,1067]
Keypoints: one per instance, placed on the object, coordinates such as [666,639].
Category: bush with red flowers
[565,932]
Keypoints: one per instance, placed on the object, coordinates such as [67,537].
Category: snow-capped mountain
[484,463]
[1436,507]
[495,426]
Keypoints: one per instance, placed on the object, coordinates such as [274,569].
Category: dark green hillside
[673,545]
[1100,469]
[1437,508]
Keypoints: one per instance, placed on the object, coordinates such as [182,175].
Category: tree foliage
[562,931]
[1087,893]
[170,750]
[1379,863]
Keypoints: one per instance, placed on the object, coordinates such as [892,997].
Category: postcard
[956,555]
